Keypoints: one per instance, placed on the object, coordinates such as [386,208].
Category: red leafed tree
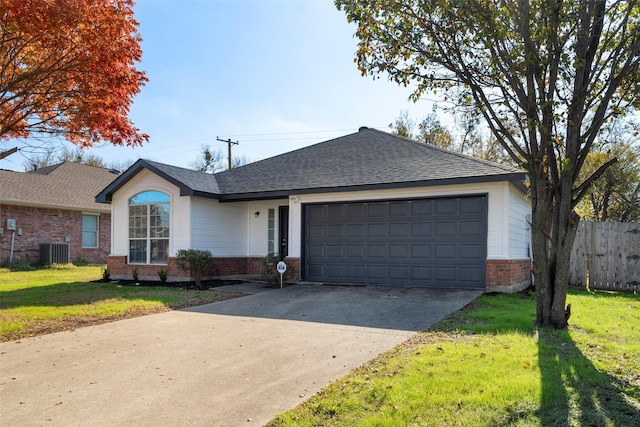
[67,69]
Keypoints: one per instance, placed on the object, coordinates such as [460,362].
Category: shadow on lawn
[573,390]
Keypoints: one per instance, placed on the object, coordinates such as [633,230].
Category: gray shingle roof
[66,185]
[366,159]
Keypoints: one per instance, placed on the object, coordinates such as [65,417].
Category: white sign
[281,267]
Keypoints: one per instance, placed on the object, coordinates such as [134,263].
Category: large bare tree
[545,75]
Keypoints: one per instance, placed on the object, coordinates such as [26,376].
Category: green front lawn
[62,298]
[487,365]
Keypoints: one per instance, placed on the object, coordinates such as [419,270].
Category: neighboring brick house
[55,205]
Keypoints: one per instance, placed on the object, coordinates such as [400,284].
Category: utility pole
[229,143]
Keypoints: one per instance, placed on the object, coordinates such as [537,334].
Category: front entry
[283,230]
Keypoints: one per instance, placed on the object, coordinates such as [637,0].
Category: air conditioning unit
[55,253]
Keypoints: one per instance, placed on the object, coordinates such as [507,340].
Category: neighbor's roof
[67,185]
[368,159]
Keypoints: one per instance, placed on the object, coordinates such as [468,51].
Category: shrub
[268,271]
[22,265]
[106,273]
[163,275]
[195,261]
[81,262]
[134,273]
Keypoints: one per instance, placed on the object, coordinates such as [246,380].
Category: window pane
[137,221]
[159,220]
[89,222]
[89,239]
[159,250]
[149,197]
[89,231]
[138,251]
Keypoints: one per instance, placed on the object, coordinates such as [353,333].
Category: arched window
[149,228]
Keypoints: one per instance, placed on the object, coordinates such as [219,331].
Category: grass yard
[63,298]
[487,365]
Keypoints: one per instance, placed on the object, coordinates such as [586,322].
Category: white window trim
[97,230]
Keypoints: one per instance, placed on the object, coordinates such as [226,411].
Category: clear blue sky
[273,75]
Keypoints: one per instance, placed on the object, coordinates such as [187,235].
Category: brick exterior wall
[44,225]
[222,266]
[508,275]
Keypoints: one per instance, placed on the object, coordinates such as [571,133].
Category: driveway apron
[231,363]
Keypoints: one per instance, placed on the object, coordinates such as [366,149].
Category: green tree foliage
[617,195]
[470,141]
[544,75]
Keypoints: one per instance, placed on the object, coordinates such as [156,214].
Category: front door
[283,229]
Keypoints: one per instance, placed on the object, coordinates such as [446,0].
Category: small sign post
[281,267]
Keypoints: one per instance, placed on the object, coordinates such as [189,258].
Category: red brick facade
[43,225]
[508,275]
[222,266]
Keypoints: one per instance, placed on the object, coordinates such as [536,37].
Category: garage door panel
[445,252]
[421,251]
[399,229]
[376,272]
[376,210]
[445,228]
[470,251]
[422,274]
[377,230]
[423,242]
[398,209]
[355,230]
[335,230]
[334,271]
[468,274]
[446,274]
[335,211]
[356,251]
[399,251]
[355,272]
[423,229]
[472,205]
[471,228]
[335,251]
[377,251]
[316,231]
[422,207]
[446,206]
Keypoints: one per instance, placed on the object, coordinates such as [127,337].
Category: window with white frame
[271,231]
[89,231]
[149,228]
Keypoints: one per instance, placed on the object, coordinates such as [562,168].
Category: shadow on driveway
[399,308]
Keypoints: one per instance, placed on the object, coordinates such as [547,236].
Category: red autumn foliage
[67,68]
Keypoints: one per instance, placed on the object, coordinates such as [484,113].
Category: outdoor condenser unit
[55,253]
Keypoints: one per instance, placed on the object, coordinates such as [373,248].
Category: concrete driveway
[236,362]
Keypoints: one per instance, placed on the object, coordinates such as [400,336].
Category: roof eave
[516,178]
[106,195]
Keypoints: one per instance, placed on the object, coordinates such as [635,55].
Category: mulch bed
[204,284]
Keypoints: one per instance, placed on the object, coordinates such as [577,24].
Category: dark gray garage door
[424,242]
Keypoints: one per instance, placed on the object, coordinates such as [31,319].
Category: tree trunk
[553,231]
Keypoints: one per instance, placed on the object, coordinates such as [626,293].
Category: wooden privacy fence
[606,255]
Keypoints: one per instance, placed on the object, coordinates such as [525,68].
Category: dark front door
[283,229]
